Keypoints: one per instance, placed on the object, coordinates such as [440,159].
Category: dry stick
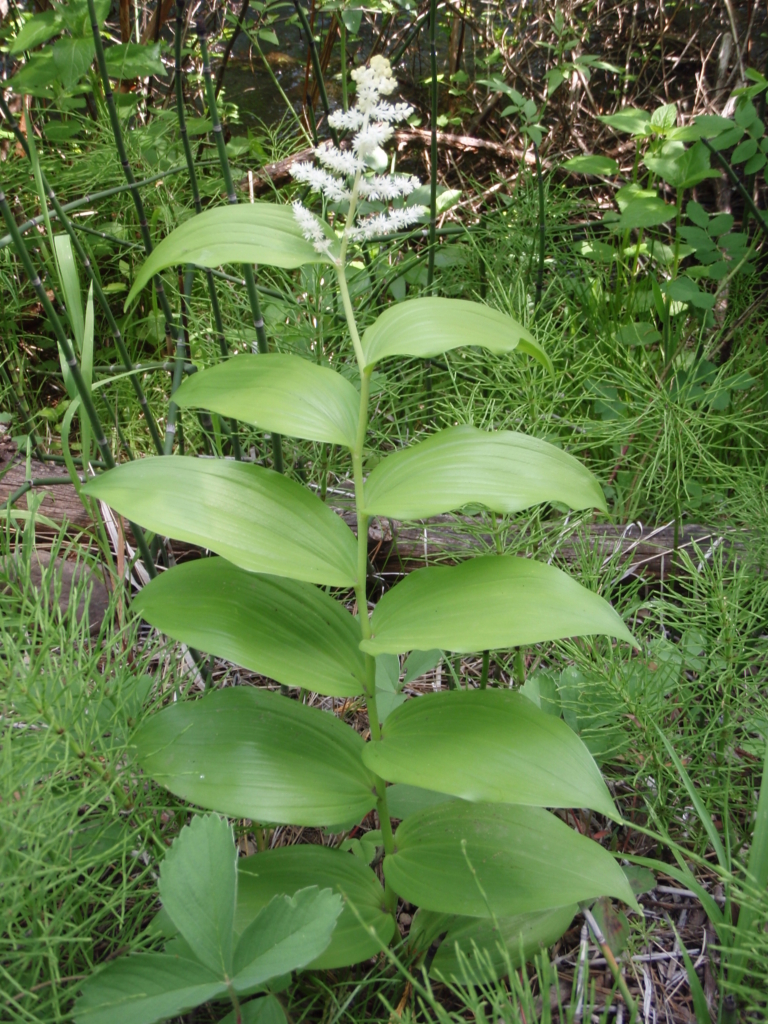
[69,355]
[214,299]
[97,289]
[170,327]
[250,280]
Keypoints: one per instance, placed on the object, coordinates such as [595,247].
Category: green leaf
[70,286]
[285,935]
[511,752]
[685,169]
[249,233]
[145,988]
[251,753]
[697,214]
[664,117]
[644,213]
[523,936]
[428,327]
[418,663]
[523,859]
[488,603]
[280,393]
[505,471]
[403,800]
[264,1010]
[588,164]
[630,119]
[39,29]
[198,886]
[72,58]
[641,333]
[284,629]
[131,60]
[288,868]
[256,518]
[641,879]
[683,289]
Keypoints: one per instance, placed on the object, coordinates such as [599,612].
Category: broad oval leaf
[264,1010]
[288,868]
[404,800]
[285,936]
[487,603]
[511,752]
[249,233]
[281,628]
[526,860]
[198,882]
[280,393]
[504,471]
[254,517]
[430,326]
[250,753]
[590,164]
[144,988]
[532,932]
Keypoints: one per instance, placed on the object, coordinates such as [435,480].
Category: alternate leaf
[198,887]
[430,326]
[281,628]
[479,939]
[684,169]
[132,60]
[39,29]
[254,517]
[286,935]
[505,471]
[630,119]
[263,1010]
[524,860]
[404,800]
[72,58]
[645,212]
[511,752]
[145,988]
[251,753]
[249,233]
[488,603]
[289,868]
[280,393]
[588,164]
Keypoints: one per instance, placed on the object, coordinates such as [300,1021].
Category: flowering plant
[372,118]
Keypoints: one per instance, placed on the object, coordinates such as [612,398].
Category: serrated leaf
[133,60]
[254,517]
[280,393]
[198,887]
[524,858]
[251,753]
[39,29]
[145,988]
[430,326]
[511,752]
[289,868]
[249,233]
[285,936]
[281,628]
[644,213]
[664,117]
[588,164]
[72,58]
[505,471]
[487,603]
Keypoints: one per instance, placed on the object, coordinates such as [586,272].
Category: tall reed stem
[92,277]
[72,363]
[250,280]
[212,295]
[433,143]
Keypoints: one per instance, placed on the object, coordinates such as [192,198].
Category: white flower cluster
[372,119]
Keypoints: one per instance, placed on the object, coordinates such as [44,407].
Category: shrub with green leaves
[474,775]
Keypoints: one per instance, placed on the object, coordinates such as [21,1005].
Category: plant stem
[361,593]
[433,143]
[343,49]
[316,67]
[542,228]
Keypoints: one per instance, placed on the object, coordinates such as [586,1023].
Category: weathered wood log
[60,504]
